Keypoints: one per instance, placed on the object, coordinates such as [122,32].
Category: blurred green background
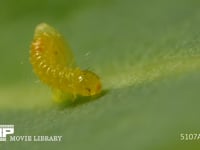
[147,54]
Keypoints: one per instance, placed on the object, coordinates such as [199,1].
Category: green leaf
[146,53]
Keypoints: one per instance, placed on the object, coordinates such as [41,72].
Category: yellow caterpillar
[53,62]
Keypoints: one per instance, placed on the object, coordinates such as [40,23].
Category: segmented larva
[53,62]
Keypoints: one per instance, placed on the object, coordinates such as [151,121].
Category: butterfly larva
[53,62]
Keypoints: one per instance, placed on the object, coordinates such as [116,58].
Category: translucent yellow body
[53,62]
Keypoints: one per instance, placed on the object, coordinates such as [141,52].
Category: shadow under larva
[81,100]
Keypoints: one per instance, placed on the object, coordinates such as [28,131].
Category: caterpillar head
[88,83]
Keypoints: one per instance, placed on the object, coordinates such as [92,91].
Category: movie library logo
[6,130]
